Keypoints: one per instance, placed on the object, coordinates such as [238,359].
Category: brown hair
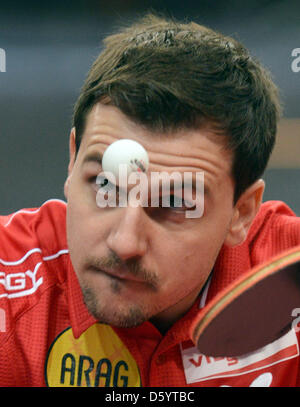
[167,75]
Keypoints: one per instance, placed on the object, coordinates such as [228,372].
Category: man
[105,296]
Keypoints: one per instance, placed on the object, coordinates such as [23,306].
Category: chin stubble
[129,319]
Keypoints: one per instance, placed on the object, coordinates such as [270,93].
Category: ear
[72,158]
[244,213]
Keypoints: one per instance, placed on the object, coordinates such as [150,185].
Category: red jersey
[48,337]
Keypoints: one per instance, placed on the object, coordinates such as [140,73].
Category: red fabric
[40,299]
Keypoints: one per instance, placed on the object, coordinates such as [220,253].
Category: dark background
[50,47]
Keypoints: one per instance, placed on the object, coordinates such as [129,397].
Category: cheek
[87,227]
[178,263]
[78,223]
[78,208]
[194,255]
[74,234]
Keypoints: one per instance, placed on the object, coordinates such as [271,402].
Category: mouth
[119,273]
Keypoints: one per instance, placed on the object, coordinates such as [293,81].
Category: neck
[167,318]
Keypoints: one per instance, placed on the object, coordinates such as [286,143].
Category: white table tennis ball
[128,152]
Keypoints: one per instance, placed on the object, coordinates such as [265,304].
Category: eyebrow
[96,157]
[93,157]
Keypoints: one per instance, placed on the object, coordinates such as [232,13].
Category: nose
[128,237]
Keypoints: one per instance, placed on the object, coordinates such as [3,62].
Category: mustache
[132,266]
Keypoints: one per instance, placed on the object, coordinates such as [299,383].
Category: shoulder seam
[29,253]
[29,211]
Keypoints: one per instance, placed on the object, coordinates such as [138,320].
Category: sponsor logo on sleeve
[20,284]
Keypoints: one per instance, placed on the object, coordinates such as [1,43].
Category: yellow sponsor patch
[98,358]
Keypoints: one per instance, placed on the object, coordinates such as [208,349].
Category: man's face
[136,263]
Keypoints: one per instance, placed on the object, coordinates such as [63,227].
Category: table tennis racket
[253,311]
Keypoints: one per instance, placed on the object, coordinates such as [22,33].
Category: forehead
[184,150]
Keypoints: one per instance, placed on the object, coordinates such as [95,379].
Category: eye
[176,203]
[103,182]
[108,194]
[100,182]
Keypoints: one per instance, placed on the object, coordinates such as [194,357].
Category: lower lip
[115,276]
